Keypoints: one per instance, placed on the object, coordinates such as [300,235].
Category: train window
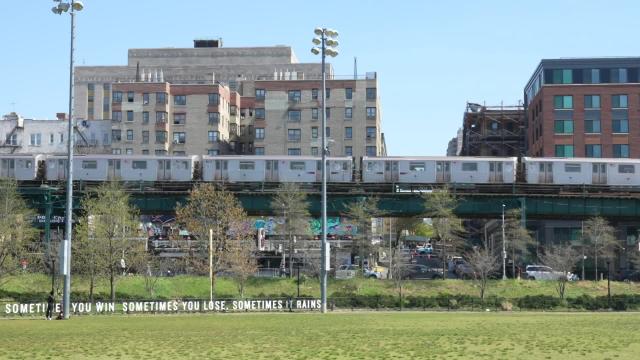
[297,165]
[247,165]
[89,164]
[626,169]
[28,164]
[469,166]
[416,166]
[139,164]
[345,165]
[572,168]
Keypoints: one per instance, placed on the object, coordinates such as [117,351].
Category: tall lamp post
[504,249]
[326,39]
[71,7]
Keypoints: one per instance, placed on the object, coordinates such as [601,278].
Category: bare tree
[561,258]
[600,236]
[106,234]
[361,212]
[151,268]
[398,271]
[440,205]
[212,208]
[483,263]
[242,263]
[16,229]
[517,236]
[291,202]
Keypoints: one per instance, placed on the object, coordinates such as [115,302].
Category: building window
[180,100]
[620,150]
[128,151]
[145,136]
[161,152]
[213,136]
[130,96]
[348,133]
[348,113]
[371,113]
[51,138]
[214,99]
[161,137]
[212,152]
[35,139]
[294,135]
[371,93]
[619,101]
[105,107]
[294,151]
[145,152]
[179,137]
[592,101]
[348,151]
[314,94]
[116,116]
[259,133]
[564,150]
[179,119]
[314,151]
[592,123]
[116,97]
[327,131]
[314,132]
[145,117]
[348,93]
[562,76]
[564,126]
[328,112]
[214,118]
[161,117]
[116,135]
[371,132]
[294,115]
[145,98]
[259,151]
[561,102]
[116,151]
[129,115]
[328,93]
[259,113]
[618,75]
[130,135]
[620,126]
[593,150]
[91,86]
[161,98]
[371,151]
[591,76]
[295,95]
[314,113]
[261,94]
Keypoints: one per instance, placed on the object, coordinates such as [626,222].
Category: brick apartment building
[584,108]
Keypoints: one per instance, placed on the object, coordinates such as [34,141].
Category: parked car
[542,272]
[350,271]
[425,250]
[414,271]
[628,275]
[464,271]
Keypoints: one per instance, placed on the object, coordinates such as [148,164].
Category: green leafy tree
[291,202]
[361,212]
[211,208]
[242,263]
[440,205]
[600,237]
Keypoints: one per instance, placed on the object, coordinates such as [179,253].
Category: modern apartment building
[586,107]
[214,100]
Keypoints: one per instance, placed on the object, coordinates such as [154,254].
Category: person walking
[50,301]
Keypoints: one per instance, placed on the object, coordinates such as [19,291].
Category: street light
[504,249]
[326,40]
[63,7]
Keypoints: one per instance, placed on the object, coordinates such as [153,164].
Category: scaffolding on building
[493,130]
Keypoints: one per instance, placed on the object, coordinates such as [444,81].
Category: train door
[319,170]
[599,174]
[271,172]
[164,170]
[62,169]
[443,171]
[113,173]
[391,173]
[495,172]
[221,171]
[546,173]
[8,168]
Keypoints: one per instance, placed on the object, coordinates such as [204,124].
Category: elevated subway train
[305,169]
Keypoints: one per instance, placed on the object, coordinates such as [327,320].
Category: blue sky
[431,56]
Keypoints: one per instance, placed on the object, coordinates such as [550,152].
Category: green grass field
[369,335]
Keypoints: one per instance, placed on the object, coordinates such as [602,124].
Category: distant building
[584,107]
[492,131]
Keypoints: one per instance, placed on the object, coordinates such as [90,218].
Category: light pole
[326,39]
[504,249]
[71,7]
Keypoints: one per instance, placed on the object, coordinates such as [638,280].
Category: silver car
[542,272]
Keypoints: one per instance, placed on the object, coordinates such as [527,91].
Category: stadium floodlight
[316,41]
[315,51]
[318,31]
[332,43]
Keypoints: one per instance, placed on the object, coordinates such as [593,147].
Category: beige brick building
[214,100]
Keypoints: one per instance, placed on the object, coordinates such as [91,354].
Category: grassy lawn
[387,335]
[35,286]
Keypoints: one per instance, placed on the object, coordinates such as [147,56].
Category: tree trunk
[445,271]
[91,284]
[596,264]
[290,256]
[513,261]
[112,284]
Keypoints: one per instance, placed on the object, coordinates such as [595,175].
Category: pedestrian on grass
[50,301]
